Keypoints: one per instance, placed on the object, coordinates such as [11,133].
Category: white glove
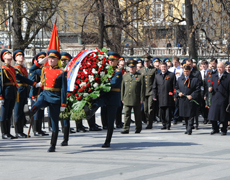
[38,85]
[62,109]
[1,102]
[42,60]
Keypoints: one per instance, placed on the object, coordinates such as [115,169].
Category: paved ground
[153,154]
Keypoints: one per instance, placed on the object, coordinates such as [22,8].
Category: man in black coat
[187,90]
[220,87]
[195,73]
[163,87]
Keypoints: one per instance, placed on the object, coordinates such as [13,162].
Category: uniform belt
[116,89]
[52,89]
[21,84]
[9,84]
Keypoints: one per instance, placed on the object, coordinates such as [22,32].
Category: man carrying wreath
[163,88]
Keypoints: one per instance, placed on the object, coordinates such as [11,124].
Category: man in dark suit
[195,73]
[187,90]
[220,87]
[207,84]
[163,87]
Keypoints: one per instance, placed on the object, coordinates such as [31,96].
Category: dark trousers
[215,126]
[54,110]
[189,123]
[38,117]
[204,111]
[166,116]
[91,121]
[19,114]
[119,114]
[6,113]
[149,109]
[137,115]
[104,116]
[176,111]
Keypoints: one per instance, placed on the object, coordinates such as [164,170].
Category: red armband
[63,104]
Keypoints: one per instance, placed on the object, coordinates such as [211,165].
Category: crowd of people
[166,91]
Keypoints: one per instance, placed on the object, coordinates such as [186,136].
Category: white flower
[102,74]
[95,85]
[106,67]
[91,78]
[85,71]
[85,94]
[100,56]
[82,84]
[94,71]
[99,65]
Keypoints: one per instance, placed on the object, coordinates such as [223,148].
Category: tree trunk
[101,18]
[190,30]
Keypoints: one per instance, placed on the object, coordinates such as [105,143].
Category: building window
[170,13]
[157,11]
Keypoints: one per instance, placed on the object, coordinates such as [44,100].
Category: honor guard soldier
[111,100]
[149,74]
[65,58]
[8,93]
[187,90]
[119,123]
[54,93]
[163,88]
[34,75]
[23,82]
[132,96]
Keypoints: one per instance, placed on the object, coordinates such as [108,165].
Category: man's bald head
[220,67]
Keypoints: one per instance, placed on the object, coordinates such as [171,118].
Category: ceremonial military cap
[122,58]
[193,60]
[166,60]
[139,60]
[65,56]
[3,52]
[113,56]
[40,55]
[54,53]
[227,63]
[18,52]
[33,59]
[184,61]
[131,63]
[147,58]
[156,59]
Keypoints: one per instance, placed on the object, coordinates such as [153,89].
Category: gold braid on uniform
[43,77]
[8,77]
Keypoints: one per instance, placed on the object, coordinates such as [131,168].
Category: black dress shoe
[148,127]
[163,128]
[214,132]
[79,129]
[196,128]
[64,143]
[186,132]
[132,121]
[137,132]
[223,133]
[11,136]
[193,127]
[21,135]
[168,128]
[71,131]
[174,122]
[106,145]
[37,134]
[209,122]
[95,128]
[51,149]
[4,136]
[43,133]
[97,125]
[124,132]
[119,126]
[189,133]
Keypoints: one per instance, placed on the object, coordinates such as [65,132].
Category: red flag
[54,43]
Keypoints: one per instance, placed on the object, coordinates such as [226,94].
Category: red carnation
[79,98]
[209,80]
[82,77]
[97,61]
[80,90]
[83,87]
[78,76]
[96,78]
[78,81]
[86,80]
[81,68]
[68,95]
[76,87]
[170,93]
[76,94]
[174,90]
[105,71]
[212,83]
[103,62]
[88,85]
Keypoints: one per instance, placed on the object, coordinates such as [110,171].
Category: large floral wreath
[93,77]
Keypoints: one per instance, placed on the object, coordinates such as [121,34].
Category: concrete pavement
[153,154]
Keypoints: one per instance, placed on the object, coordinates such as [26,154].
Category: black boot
[7,126]
[108,138]
[53,141]
[19,129]
[66,136]
[90,112]
[4,130]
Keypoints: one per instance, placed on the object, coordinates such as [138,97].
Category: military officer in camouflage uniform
[132,86]
[149,74]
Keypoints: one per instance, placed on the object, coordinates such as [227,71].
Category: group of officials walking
[172,91]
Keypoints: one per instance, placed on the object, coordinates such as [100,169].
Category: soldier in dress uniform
[8,93]
[139,64]
[187,89]
[220,88]
[54,94]
[112,99]
[149,105]
[119,123]
[23,82]
[34,75]
[132,86]
[163,87]
[156,64]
